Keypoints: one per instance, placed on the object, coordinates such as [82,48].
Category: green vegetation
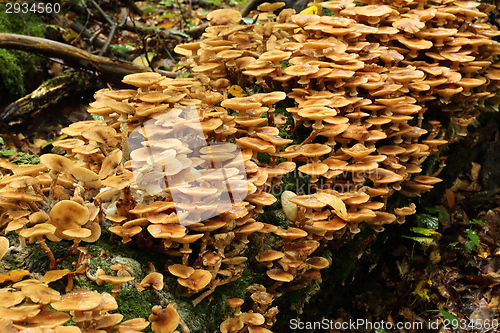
[18,67]
[20,157]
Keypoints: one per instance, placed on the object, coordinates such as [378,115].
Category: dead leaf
[237,91]
[420,289]
[450,197]
[335,202]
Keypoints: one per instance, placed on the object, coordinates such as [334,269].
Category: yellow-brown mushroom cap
[78,300]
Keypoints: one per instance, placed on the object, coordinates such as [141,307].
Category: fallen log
[73,56]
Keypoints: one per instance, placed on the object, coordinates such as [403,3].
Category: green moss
[17,68]
[11,73]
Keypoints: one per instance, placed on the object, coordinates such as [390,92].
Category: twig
[249,6]
[86,34]
[145,49]
[25,24]
[110,22]
[133,8]
[102,12]
[182,13]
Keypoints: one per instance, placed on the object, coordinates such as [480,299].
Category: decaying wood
[73,56]
[50,92]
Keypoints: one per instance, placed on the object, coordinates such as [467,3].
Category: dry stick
[132,6]
[249,6]
[86,34]
[113,31]
[110,22]
[73,55]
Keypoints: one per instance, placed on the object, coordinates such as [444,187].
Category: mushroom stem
[184,327]
[270,116]
[274,286]
[72,249]
[206,293]
[69,286]
[54,175]
[41,242]
[259,245]
[124,131]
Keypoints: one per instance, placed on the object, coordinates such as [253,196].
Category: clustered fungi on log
[361,82]
[32,306]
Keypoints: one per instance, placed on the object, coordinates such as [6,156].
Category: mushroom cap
[4,247]
[38,217]
[333,201]
[235,302]
[40,293]
[252,318]
[29,170]
[330,226]
[415,44]
[119,182]
[318,262]
[308,201]
[142,79]
[55,275]
[231,325]
[68,214]
[120,107]
[181,271]
[279,274]
[88,178]
[77,233]
[270,7]
[404,211]
[167,230]
[137,324]
[262,297]
[20,313]
[78,300]
[315,149]
[164,320]
[116,280]
[14,275]
[125,232]
[263,198]
[6,326]
[38,230]
[314,169]
[196,281]
[10,297]
[291,233]
[224,17]
[56,162]
[20,196]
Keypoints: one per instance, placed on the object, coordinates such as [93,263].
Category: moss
[18,68]
[11,73]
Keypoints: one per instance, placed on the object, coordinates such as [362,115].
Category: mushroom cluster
[32,306]
[177,165]
[259,319]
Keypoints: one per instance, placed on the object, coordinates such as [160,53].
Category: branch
[249,6]
[74,56]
